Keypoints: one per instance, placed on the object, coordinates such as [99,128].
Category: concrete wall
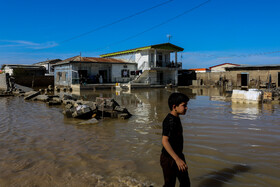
[209,78]
[256,77]
[170,77]
[33,81]
[3,83]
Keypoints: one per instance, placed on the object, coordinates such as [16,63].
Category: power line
[158,25]
[115,22]
[103,26]
[231,56]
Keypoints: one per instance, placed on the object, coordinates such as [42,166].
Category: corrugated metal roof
[199,69]
[77,59]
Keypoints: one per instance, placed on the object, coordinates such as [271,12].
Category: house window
[125,73]
[152,57]
[52,69]
[58,76]
[63,77]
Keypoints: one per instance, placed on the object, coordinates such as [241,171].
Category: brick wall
[256,77]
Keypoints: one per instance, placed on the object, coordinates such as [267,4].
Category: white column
[155,62]
[176,77]
[176,59]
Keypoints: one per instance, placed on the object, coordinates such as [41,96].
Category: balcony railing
[169,64]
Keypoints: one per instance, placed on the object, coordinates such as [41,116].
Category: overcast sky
[211,32]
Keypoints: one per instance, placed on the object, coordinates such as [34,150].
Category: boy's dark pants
[171,171]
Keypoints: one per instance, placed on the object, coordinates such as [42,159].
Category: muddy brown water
[225,144]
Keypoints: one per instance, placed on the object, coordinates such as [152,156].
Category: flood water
[225,144]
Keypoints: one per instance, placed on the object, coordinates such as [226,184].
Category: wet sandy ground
[225,144]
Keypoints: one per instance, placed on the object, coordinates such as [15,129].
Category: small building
[23,70]
[48,64]
[28,75]
[254,76]
[243,76]
[92,70]
[153,63]
[221,67]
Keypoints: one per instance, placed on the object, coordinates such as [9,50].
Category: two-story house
[153,63]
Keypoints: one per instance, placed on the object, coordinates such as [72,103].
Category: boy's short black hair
[176,99]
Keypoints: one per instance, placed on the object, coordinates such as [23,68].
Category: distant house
[92,70]
[253,76]
[153,63]
[221,67]
[200,70]
[48,64]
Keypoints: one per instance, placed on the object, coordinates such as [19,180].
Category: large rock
[82,111]
[89,122]
[106,103]
[31,94]
[43,98]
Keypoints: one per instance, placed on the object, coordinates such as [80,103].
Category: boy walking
[172,159]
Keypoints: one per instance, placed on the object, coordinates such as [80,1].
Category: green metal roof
[165,46]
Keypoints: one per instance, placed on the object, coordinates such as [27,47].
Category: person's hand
[182,166]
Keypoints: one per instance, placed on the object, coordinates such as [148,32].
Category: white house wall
[127,57]
[170,77]
[142,60]
[93,69]
[117,72]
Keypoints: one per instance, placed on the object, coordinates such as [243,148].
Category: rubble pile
[276,92]
[73,108]
[272,94]
[101,108]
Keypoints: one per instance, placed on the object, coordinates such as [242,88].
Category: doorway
[242,79]
[103,73]
[160,77]
[278,79]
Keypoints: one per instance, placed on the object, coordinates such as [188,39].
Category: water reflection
[246,111]
[39,146]
[221,177]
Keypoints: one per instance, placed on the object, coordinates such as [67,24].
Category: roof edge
[157,46]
